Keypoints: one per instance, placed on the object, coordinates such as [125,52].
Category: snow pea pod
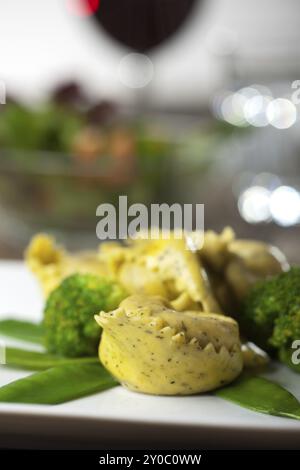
[261,395]
[58,385]
[22,330]
[33,360]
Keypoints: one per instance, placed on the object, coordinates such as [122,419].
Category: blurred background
[162,100]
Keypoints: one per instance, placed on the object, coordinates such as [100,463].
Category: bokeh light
[285,206]
[247,106]
[255,110]
[232,109]
[255,106]
[282,113]
[254,205]
[136,70]
[82,7]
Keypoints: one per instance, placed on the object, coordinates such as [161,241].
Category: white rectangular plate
[118,418]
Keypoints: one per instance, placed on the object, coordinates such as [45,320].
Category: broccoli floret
[271,312]
[70,328]
[287,328]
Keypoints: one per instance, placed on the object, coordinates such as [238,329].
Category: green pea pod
[58,385]
[261,395]
[32,360]
[22,330]
[285,356]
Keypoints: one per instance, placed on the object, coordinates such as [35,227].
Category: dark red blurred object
[83,7]
[70,94]
[143,24]
[102,112]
